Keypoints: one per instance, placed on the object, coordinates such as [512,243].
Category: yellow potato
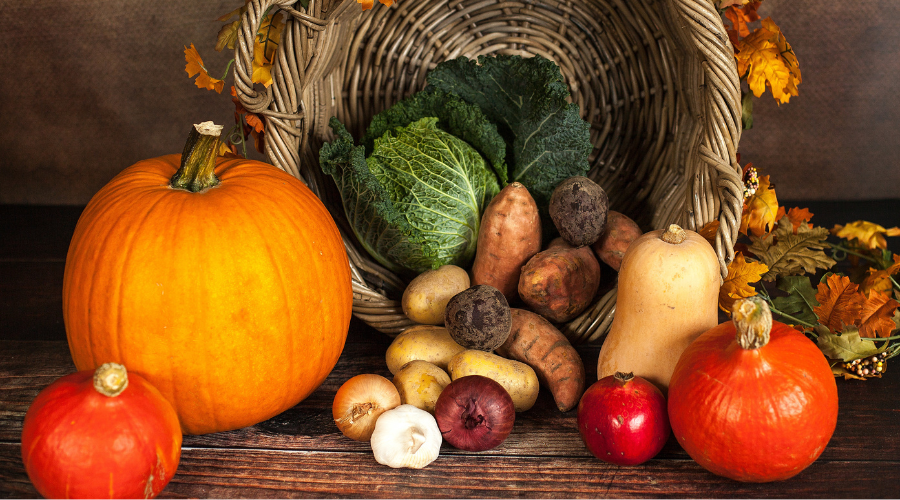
[426,296]
[519,379]
[420,383]
[422,342]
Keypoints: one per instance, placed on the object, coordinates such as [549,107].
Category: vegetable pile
[415,187]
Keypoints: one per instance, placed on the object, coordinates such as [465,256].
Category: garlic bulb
[406,437]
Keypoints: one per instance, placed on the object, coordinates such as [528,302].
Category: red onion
[475,413]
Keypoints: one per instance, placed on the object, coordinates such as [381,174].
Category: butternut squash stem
[110,379]
[198,160]
[674,234]
[753,321]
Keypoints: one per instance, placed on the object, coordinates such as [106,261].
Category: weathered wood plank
[243,473]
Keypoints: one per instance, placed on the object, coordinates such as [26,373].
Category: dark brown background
[90,87]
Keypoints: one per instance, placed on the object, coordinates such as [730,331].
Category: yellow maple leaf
[869,234]
[768,60]
[267,39]
[195,66]
[760,209]
[368,4]
[737,284]
[840,303]
[228,36]
[875,316]
[880,279]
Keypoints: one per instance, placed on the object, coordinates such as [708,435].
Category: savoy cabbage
[415,202]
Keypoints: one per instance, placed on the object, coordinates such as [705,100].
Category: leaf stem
[852,252]
[227,69]
[783,314]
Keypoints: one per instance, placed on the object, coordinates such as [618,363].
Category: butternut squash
[668,295]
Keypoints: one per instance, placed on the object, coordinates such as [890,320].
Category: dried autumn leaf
[796,215]
[709,231]
[880,279]
[768,60]
[228,35]
[800,300]
[267,39]
[368,4]
[760,209]
[876,315]
[737,284]
[869,235]
[740,14]
[840,302]
[787,253]
[847,346]
[236,12]
[195,67]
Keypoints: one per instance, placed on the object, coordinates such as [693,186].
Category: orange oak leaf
[760,209]
[767,59]
[740,14]
[869,234]
[195,67]
[255,125]
[368,4]
[709,230]
[880,279]
[840,303]
[737,284]
[876,315]
[795,215]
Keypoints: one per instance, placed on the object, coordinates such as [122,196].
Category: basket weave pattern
[655,79]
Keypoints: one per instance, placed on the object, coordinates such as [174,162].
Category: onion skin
[360,401]
[623,419]
[475,413]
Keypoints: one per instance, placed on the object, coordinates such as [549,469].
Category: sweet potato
[537,343]
[510,234]
[620,232]
[561,281]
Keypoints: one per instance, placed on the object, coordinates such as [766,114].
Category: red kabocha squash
[101,434]
[753,400]
[225,282]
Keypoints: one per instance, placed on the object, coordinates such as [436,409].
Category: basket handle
[718,140]
[299,59]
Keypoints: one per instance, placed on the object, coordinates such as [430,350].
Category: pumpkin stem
[110,379]
[753,321]
[674,234]
[198,160]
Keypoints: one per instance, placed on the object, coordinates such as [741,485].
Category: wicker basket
[656,79]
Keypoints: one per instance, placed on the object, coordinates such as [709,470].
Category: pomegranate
[623,419]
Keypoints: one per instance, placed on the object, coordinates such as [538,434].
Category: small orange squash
[753,400]
[225,282]
[100,434]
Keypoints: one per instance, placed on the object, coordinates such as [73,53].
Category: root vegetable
[420,383]
[427,343]
[510,234]
[560,282]
[519,379]
[478,318]
[360,401]
[620,232]
[578,209]
[426,296]
[536,342]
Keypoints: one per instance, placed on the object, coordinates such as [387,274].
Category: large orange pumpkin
[230,292]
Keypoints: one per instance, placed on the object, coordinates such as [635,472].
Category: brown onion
[360,401]
[475,413]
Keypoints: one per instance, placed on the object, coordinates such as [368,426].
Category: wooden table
[300,453]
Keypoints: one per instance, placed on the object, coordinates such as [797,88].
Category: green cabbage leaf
[415,201]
